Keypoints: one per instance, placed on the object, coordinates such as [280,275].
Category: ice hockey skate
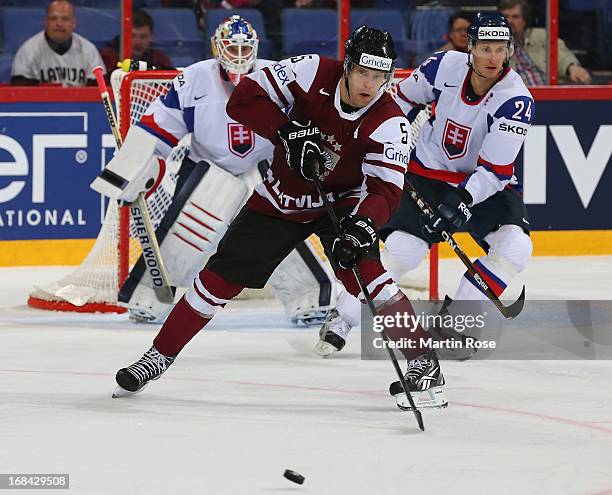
[332,336]
[425,380]
[135,377]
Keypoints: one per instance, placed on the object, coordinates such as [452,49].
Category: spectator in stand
[57,54]
[531,47]
[142,37]
[457,33]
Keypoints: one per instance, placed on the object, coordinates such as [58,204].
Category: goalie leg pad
[133,169]
[201,211]
[305,284]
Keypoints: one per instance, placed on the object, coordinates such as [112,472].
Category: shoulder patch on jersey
[429,68]
[520,108]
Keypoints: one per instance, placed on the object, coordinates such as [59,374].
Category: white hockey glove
[133,169]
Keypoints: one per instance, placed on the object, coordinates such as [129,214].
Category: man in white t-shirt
[57,54]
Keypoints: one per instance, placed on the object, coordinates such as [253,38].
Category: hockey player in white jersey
[225,161]
[462,164]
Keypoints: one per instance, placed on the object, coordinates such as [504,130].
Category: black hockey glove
[303,149]
[357,236]
[451,215]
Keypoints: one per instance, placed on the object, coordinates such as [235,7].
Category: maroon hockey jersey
[369,148]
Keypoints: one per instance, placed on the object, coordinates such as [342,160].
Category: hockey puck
[294,476]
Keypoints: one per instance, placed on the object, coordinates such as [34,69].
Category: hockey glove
[451,215]
[357,236]
[304,149]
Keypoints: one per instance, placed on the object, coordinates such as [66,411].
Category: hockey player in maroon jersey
[329,118]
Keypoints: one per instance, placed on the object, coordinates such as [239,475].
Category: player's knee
[512,244]
[210,292]
[403,252]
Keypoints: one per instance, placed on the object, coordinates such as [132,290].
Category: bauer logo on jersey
[240,139]
[455,139]
[374,62]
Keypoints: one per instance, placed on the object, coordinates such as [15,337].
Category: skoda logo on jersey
[493,33]
[455,139]
[374,62]
[240,139]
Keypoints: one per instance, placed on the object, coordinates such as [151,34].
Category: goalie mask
[490,26]
[372,49]
[234,45]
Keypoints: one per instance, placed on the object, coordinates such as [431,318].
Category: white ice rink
[247,399]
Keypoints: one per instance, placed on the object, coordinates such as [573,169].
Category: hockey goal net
[94,285]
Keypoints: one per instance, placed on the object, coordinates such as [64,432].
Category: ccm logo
[514,129]
[303,133]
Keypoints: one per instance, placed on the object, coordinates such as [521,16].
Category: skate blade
[324,349]
[120,392]
[433,398]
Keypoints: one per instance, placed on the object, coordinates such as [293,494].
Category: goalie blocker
[206,200]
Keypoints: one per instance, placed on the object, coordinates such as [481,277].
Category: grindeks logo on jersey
[374,62]
[396,155]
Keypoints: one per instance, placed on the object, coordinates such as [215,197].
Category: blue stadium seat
[581,5]
[18,24]
[428,30]
[388,20]
[393,4]
[98,25]
[308,25]
[324,48]
[6,61]
[175,25]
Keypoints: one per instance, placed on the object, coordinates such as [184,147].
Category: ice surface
[248,399]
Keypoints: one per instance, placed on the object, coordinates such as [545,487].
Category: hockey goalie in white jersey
[225,161]
[462,164]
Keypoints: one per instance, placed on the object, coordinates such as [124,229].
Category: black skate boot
[332,335]
[425,380]
[135,377]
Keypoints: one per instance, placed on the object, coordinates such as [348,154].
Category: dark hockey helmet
[490,26]
[370,48]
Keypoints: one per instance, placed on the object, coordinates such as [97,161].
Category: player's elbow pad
[132,170]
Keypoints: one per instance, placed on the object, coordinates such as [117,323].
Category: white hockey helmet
[234,45]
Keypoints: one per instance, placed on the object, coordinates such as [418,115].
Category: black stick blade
[515,308]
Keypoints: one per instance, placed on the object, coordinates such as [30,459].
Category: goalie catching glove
[357,236]
[451,215]
[304,149]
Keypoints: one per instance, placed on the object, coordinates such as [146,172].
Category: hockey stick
[366,294]
[140,214]
[509,312]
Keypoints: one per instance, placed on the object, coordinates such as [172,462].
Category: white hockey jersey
[471,143]
[196,104]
